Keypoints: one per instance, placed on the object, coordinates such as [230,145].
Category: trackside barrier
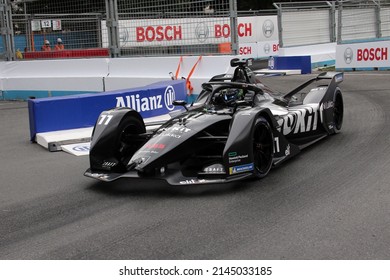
[321,54]
[140,71]
[46,78]
[80,111]
[302,63]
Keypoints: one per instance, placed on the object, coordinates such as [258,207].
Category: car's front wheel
[126,145]
[262,147]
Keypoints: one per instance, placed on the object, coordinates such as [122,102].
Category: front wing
[172,177]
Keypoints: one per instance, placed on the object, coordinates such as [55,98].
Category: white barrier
[320,53]
[22,79]
[131,72]
[45,78]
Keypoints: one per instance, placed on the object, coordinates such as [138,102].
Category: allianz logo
[148,103]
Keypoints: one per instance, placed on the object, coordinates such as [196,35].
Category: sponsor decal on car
[157,146]
[214,169]
[234,158]
[241,168]
[193,181]
[328,105]
[175,131]
[287,151]
[300,120]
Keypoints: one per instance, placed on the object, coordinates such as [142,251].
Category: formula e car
[237,128]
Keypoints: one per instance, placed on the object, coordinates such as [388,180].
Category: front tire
[262,147]
[125,145]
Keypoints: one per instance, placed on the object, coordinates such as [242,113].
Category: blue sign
[79,111]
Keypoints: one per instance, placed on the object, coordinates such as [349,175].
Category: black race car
[237,128]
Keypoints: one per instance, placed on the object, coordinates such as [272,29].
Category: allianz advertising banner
[79,111]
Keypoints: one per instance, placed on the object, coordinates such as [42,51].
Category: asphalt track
[330,202]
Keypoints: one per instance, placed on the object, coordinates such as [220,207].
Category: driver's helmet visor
[231,94]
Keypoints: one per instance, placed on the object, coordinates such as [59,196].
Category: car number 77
[105,119]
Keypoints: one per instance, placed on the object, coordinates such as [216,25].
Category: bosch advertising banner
[79,111]
[259,49]
[189,31]
[363,55]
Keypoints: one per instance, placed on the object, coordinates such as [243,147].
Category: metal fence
[174,27]
[122,27]
[317,22]
[366,20]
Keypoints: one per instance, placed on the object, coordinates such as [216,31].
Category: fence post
[339,22]
[332,22]
[112,27]
[378,22]
[7,29]
[280,26]
[233,25]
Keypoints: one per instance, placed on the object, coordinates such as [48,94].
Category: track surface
[331,202]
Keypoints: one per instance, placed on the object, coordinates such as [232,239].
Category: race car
[236,129]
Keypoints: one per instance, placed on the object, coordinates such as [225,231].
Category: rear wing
[334,77]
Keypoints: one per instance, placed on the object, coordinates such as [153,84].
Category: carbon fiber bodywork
[214,139]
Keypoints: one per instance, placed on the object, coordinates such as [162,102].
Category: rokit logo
[142,104]
[300,120]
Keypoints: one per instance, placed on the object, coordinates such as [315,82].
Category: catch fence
[117,28]
[318,22]
[123,28]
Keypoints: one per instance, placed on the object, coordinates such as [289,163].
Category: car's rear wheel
[262,147]
[338,111]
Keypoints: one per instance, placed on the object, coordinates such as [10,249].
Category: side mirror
[182,103]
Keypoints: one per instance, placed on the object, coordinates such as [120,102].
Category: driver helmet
[231,94]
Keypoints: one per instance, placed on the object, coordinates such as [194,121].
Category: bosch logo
[348,55]
[124,35]
[267,48]
[244,29]
[202,32]
[158,33]
[169,97]
[268,28]
[372,54]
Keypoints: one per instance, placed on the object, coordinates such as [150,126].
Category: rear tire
[338,111]
[262,147]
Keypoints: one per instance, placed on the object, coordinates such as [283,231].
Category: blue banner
[79,111]
[292,62]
